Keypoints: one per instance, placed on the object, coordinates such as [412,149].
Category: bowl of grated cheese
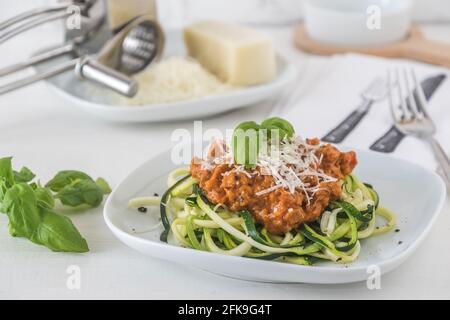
[176,78]
[175,88]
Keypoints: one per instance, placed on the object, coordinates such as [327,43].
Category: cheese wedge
[238,55]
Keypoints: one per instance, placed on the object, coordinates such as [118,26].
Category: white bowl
[345,22]
[415,194]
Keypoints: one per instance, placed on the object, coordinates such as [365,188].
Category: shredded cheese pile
[175,79]
[291,165]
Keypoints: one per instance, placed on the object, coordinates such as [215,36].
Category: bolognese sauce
[278,209]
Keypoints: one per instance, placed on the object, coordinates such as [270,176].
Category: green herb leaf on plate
[284,127]
[250,139]
[245,143]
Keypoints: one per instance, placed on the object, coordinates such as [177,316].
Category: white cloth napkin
[327,99]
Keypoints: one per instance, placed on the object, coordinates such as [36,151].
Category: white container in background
[178,13]
[351,23]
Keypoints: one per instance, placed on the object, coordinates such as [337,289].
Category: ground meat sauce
[279,211]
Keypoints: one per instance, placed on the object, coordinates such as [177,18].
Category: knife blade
[389,141]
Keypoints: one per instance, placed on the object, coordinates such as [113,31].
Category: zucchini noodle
[334,236]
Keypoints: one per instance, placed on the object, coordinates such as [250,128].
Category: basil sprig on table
[248,137]
[75,188]
[30,206]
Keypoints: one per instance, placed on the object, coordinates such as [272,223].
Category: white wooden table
[47,134]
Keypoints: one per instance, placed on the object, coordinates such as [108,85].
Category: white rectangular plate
[413,193]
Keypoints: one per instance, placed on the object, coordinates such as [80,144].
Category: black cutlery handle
[389,141]
[343,129]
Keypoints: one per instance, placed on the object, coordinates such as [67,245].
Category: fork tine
[402,101]
[413,121]
[415,112]
[410,101]
[390,95]
[422,101]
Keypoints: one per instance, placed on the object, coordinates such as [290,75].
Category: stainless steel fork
[411,117]
[376,91]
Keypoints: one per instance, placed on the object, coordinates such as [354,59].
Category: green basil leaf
[28,205]
[20,204]
[6,172]
[274,134]
[81,192]
[44,197]
[285,127]
[103,185]
[58,233]
[3,189]
[34,185]
[245,143]
[65,178]
[24,175]
[247,125]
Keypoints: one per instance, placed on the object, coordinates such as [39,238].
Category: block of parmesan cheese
[238,55]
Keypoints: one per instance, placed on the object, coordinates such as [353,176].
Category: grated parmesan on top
[291,164]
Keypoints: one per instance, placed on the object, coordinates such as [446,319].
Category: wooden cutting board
[415,47]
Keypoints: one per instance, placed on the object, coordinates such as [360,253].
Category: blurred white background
[176,13]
